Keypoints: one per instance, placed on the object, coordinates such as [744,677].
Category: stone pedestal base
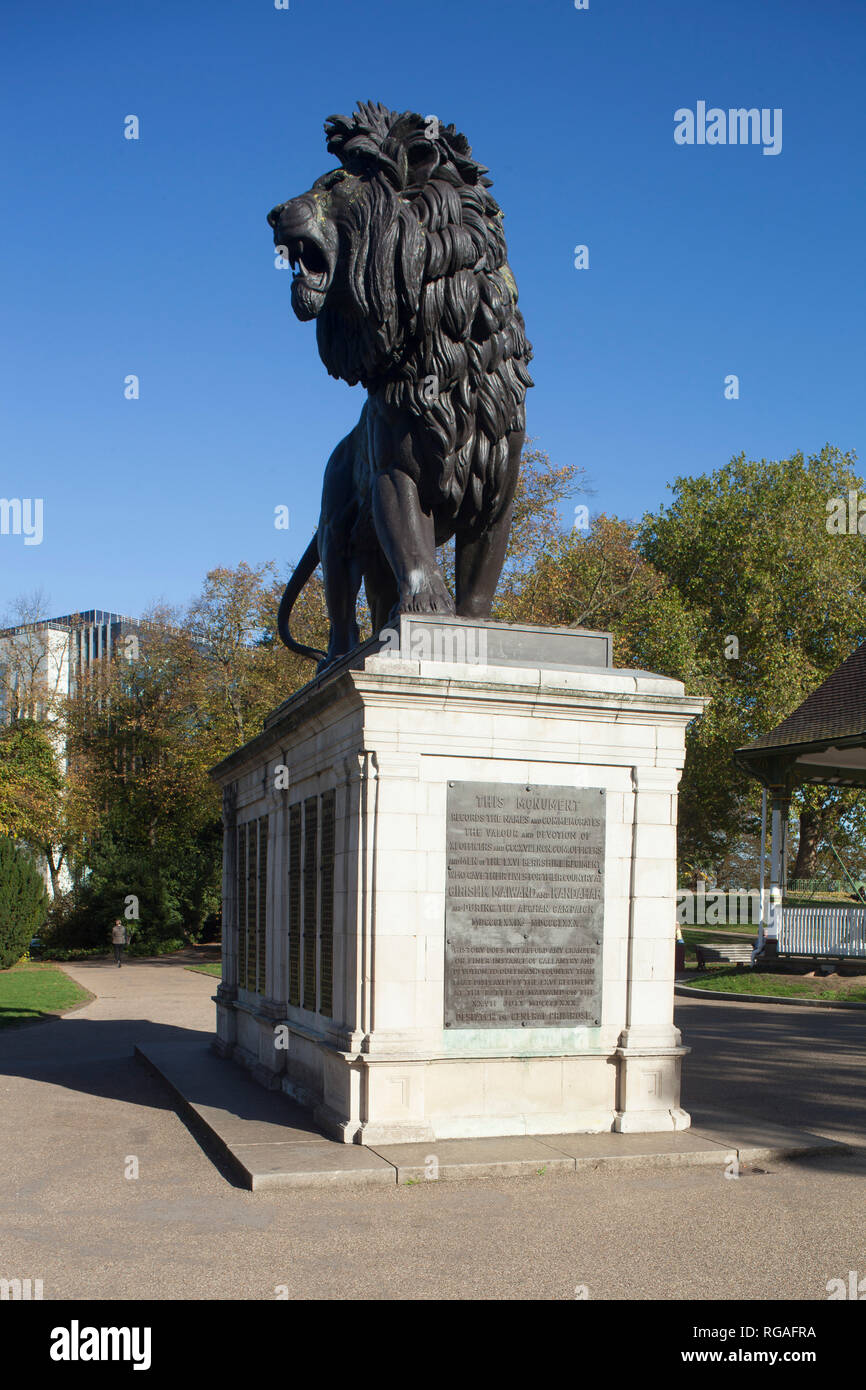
[336,878]
[648,1098]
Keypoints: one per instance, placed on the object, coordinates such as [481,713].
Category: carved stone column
[650,1047]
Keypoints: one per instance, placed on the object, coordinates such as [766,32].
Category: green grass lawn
[36,990]
[214,969]
[729,980]
[844,899]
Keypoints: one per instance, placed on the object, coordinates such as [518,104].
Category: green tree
[739,589]
[23,901]
[778,601]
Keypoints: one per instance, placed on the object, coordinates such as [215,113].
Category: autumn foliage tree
[143,734]
[599,579]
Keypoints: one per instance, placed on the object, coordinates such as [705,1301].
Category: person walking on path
[118,937]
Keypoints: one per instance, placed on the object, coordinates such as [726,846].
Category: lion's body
[403,265]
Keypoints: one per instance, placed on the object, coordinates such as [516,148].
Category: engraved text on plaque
[524,905]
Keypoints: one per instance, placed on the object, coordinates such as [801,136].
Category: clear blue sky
[153,257]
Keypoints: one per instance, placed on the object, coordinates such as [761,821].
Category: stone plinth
[337,878]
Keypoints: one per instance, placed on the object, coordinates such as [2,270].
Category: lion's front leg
[480,550]
[407,537]
[341,567]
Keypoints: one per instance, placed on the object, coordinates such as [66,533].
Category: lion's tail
[301,574]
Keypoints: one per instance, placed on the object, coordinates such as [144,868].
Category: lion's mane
[423,291]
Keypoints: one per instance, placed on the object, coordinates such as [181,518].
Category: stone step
[269,1141]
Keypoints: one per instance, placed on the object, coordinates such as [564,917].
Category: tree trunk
[54,870]
[811,827]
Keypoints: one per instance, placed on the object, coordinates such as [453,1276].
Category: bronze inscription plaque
[524,905]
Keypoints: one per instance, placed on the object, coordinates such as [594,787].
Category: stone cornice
[601,695]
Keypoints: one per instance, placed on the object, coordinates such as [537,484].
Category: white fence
[823,931]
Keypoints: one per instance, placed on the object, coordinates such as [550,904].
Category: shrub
[155,945]
[117,872]
[23,902]
[60,909]
[73,953]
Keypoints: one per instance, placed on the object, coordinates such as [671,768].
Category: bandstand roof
[823,740]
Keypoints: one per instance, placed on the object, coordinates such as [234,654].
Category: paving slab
[269,1141]
[669,1148]
[753,1140]
[309,1165]
[444,1159]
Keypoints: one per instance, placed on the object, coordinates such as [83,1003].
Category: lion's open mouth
[309,262]
[302,234]
[312,275]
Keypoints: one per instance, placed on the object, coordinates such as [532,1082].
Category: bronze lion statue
[399,255]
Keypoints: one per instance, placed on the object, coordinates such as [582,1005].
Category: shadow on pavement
[95,1057]
[83,1054]
[795,1068]
[791,1067]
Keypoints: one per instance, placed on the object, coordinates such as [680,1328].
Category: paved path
[75,1107]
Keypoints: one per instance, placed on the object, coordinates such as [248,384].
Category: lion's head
[400,256]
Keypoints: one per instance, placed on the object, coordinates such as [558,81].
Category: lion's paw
[429,598]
